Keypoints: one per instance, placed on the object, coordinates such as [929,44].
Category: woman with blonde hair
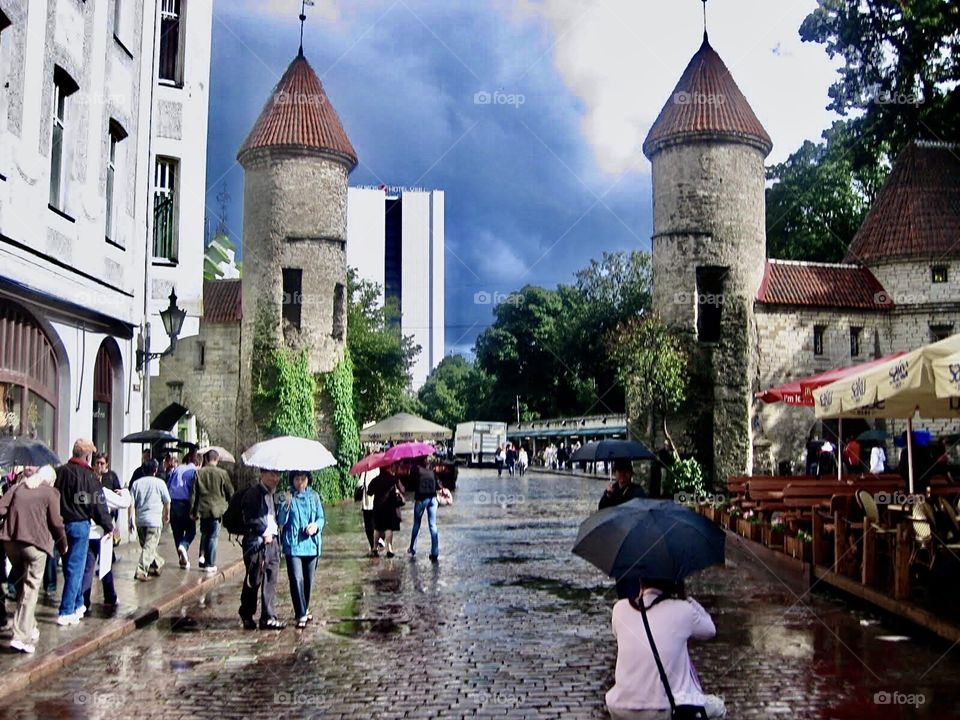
[33,526]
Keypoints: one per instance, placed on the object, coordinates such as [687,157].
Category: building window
[940,332]
[709,307]
[171,46]
[201,355]
[939,274]
[339,311]
[63,88]
[292,296]
[856,335]
[116,136]
[5,70]
[818,331]
[165,210]
[28,377]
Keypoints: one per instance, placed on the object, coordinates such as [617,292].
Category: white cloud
[622,58]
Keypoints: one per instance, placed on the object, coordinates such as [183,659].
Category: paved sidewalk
[141,603]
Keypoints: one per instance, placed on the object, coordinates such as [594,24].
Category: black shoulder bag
[677,712]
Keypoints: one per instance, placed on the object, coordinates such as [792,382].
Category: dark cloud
[524,200]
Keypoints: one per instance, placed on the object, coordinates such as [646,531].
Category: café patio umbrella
[407,451]
[25,451]
[650,539]
[288,453]
[402,427]
[370,462]
[609,450]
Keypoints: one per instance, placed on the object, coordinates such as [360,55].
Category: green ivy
[285,396]
[335,483]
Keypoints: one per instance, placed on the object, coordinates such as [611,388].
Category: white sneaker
[81,611]
[184,560]
[210,569]
[64,620]
[22,647]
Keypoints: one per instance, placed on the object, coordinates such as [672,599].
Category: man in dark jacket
[621,488]
[81,500]
[426,488]
[261,553]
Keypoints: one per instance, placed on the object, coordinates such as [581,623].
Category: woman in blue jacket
[300,517]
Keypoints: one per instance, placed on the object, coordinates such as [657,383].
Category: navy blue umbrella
[651,539]
[25,451]
[609,450]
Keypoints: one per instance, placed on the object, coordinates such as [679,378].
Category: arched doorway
[28,377]
[107,397]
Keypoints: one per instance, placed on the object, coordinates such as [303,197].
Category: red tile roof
[221,301]
[789,282]
[298,115]
[917,213]
[706,104]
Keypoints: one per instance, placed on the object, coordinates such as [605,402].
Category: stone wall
[709,211]
[910,283]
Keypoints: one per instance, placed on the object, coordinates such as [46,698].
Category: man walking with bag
[261,553]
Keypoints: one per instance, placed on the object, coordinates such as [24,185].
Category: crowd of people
[930,459]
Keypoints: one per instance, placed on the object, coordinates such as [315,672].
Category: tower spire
[704,20]
[303,19]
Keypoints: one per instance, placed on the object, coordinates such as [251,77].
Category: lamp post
[172,317]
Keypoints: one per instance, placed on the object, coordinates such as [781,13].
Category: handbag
[444,497]
[677,712]
[358,493]
[398,498]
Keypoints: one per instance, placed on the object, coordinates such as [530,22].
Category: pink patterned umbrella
[407,451]
[370,462]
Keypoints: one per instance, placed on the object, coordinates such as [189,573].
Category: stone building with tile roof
[758,322]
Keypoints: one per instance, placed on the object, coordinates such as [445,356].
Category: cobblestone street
[508,624]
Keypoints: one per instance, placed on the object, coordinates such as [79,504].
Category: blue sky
[547,175]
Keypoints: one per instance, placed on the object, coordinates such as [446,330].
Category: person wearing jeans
[427,487]
[209,498]
[81,501]
[300,517]
[184,527]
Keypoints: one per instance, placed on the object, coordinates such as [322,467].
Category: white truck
[477,442]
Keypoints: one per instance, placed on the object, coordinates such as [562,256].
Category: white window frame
[166,179]
[172,10]
[59,122]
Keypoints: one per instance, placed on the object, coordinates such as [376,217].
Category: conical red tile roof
[706,104]
[298,115]
[917,213]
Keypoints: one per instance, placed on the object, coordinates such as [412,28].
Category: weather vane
[704,17]
[303,19]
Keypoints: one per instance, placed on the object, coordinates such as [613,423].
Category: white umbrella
[289,453]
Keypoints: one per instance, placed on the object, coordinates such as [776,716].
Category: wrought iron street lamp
[172,317]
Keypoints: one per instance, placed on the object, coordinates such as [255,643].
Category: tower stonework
[297,161]
[707,149]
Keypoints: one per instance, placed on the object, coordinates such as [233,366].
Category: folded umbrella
[609,450]
[408,451]
[25,451]
[651,539]
[289,453]
[370,462]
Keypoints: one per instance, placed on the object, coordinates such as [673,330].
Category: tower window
[939,274]
[292,296]
[818,331]
[856,335]
[940,332]
[339,311]
[709,307]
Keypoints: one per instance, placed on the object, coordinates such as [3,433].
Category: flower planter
[797,548]
[748,529]
[724,518]
[773,538]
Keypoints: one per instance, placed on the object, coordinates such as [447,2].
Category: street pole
[518,411]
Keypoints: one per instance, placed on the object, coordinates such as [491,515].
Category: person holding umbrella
[621,488]
[261,553]
[388,498]
[300,517]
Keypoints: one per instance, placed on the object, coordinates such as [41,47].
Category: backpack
[233,521]
[426,482]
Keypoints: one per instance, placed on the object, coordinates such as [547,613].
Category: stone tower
[707,149]
[296,161]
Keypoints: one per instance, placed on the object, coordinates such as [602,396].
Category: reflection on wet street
[509,624]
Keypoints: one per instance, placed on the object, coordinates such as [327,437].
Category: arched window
[28,377]
[103,400]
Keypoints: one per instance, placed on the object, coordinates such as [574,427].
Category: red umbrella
[407,451]
[370,462]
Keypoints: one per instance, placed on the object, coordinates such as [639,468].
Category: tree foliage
[382,355]
[456,391]
[335,483]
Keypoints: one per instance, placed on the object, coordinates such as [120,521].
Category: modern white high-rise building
[103,127]
[395,238]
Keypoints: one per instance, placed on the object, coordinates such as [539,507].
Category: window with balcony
[116,136]
[818,331]
[63,88]
[165,210]
[856,337]
[171,42]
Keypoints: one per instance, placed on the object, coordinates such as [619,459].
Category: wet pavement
[508,624]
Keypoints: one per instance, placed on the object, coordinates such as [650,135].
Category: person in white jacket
[638,692]
[119,500]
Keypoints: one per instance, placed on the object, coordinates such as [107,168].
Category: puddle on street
[557,588]
[370,627]
[506,560]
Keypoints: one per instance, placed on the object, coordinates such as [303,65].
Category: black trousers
[368,526]
[263,567]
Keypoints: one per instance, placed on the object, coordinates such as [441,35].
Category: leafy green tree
[899,67]
[818,200]
[382,355]
[444,397]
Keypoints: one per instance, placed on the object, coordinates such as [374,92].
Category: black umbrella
[149,436]
[651,539]
[873,436]
[25,451]
[608,450]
